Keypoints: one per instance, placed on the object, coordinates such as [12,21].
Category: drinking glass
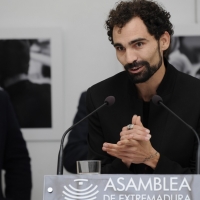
[88,167]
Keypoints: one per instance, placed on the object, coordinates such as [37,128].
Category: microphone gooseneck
[157,100]
[110,100]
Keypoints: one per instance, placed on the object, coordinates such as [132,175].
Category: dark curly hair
[153,15]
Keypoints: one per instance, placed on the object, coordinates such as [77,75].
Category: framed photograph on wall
[185,49]
[31,71]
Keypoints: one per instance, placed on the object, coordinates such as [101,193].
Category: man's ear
[164,41]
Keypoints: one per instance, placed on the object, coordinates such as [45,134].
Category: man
[14,157]
[157,142]
[76,147]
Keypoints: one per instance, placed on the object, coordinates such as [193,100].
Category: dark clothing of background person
[31,101]
[76,147]
[14,157]
[176,143]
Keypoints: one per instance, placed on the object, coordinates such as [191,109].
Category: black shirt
[142,168]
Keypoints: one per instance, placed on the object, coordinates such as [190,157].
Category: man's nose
[131,56]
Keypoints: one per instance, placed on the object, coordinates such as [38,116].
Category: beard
[148,71]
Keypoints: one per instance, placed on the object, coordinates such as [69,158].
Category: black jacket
[173,140]
[14,157]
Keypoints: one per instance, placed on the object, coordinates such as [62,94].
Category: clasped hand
[134,145]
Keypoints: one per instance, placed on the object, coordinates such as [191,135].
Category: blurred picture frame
[185,49]
[53,70]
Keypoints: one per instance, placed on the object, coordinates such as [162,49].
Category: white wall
[88,56]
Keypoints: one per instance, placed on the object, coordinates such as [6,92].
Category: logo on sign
[85,193]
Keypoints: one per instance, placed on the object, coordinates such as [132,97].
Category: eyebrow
[137,40]
[131,42]
[117,45]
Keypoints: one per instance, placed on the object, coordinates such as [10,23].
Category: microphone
[109,101]
[157,100]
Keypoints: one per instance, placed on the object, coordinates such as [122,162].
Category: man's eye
[139,44]
[119,48]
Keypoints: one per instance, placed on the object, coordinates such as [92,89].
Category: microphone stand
[198,149]
[60,155]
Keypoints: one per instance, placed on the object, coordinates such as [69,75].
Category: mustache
[136,64]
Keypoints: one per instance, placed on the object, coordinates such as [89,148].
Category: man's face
[137,50]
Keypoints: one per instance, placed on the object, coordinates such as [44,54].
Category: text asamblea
[152,184]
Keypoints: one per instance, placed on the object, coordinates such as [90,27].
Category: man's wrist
[152,160]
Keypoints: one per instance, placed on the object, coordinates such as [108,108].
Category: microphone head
[110,100]
[156,100]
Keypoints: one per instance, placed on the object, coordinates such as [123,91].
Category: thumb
[138,121]
[134,118]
